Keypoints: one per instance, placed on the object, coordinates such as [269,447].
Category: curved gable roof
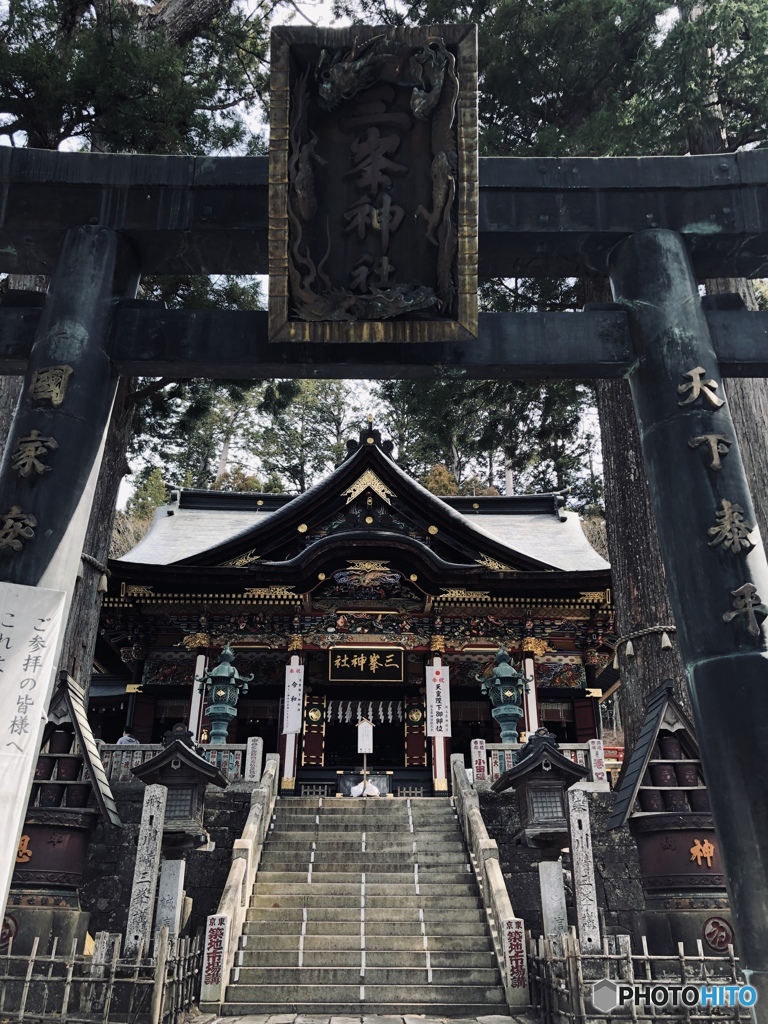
[525,533]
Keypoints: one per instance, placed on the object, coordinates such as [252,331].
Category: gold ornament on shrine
[534,645]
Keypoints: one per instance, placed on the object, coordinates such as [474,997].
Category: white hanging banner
[294,696]
[364,736]
[30,624]
[438,700]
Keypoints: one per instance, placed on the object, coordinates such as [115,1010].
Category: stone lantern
[506,688]
[540,777]
[171,827]
[185,775]
[223,686]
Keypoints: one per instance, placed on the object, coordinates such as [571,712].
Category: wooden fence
[562,977]
[76,989]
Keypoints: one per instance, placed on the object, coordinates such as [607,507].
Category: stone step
[476,928]
[453,959]
[373,889]
[390,822]
[383,811]
[370,864]
[388,878]
[296,914]
[375,843]
[375,976]
[306,910]
[315,905]
[452,942]
[354,806]
[349,995]
[357,1010]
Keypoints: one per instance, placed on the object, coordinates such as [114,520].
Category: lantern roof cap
[156,769]
[545,751]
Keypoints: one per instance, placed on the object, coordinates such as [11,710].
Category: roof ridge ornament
[369,436]
[368,479]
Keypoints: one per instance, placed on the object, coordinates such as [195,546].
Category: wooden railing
[562,980]
[508,930]
[119,758]
[71,988]
[223,928]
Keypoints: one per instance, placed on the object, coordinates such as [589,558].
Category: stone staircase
[365,907]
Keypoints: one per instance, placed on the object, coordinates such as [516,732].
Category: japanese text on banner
[30,624]
[294,698]
[438,701]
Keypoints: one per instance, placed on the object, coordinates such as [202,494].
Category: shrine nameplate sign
[373,189]
[365,665]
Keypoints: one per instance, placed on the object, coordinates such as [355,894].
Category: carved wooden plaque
[373,184]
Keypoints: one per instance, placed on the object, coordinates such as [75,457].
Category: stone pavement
[298,1018]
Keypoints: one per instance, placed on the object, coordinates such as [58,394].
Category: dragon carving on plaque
[374,164]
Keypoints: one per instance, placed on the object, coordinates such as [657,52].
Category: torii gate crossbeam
[651,224]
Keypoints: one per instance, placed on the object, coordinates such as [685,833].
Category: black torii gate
[652,225]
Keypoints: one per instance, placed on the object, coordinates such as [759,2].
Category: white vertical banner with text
[364,736]
[438,700]
[294,696]
[30,625]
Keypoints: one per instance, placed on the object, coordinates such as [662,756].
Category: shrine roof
[533,532]
[177,533]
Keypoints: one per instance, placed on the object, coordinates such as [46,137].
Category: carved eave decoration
[494,565]
[241,560]
[373,184]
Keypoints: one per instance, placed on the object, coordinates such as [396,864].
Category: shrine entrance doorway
[328,755]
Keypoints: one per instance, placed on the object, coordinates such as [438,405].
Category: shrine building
[365,580]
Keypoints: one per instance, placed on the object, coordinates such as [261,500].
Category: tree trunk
[83,624]
[640,595]
[748,401]
[639,586]
[182,20]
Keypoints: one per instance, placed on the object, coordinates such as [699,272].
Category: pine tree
[122,76]
[150,492]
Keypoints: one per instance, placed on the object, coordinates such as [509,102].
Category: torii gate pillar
[717,572]
[52,458]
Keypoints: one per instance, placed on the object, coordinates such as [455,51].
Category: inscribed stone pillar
[254,756]
[139,930]
[170,899]
[584,891]
[553,911]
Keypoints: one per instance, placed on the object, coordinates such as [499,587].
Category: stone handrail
[509,936]
[225,926]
